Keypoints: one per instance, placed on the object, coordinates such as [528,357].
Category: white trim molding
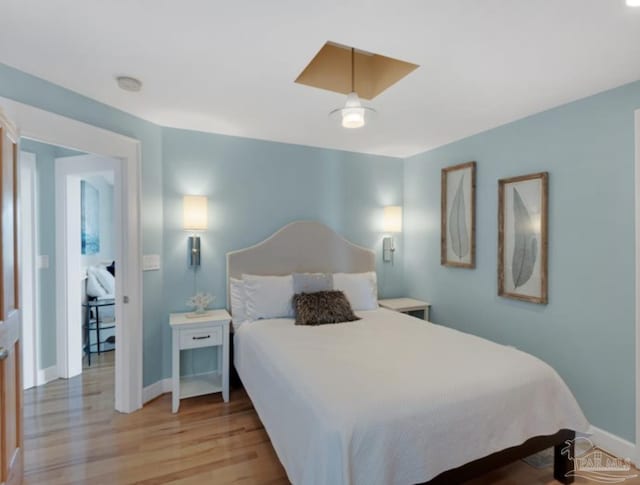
[47,375]
[612,443]
[58,130]
[29,276]
[156,389]
[636,458]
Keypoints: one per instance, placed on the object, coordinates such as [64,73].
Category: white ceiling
[228,67]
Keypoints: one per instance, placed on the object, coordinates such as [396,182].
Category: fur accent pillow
[322,307]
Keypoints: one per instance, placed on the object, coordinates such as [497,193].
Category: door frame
[68,171]
[637,279]
[30,297]
[62,131]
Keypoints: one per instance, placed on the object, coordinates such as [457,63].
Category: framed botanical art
[458,216]
[522,237]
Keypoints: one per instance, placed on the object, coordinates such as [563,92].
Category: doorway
[71,227]
[38,124]
[89,244]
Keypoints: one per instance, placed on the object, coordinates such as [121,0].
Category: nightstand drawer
[200,337]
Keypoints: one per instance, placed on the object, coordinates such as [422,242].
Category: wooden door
[11,451]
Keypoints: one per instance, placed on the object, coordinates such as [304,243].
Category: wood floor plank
[73,436]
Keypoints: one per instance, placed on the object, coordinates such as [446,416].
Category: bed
[390,399]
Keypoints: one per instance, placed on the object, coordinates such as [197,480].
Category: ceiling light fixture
[354,114]
[129,83]
[633,3]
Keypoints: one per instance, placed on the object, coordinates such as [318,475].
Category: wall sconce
[392,222]
[195,219]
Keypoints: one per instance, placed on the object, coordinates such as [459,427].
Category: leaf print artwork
[458,215]
[525,249]
[458,223]
[523,203]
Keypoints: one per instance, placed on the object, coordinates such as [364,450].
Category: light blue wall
[45,155]
[254,188]
[587,331]
[31,90]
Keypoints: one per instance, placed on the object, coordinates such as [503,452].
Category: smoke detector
[129,83]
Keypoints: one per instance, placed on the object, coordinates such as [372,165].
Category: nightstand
[209,330]
[407,305]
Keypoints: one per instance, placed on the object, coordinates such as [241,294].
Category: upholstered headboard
[300,247]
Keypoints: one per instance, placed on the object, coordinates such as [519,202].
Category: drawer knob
[4,353]
[201,338]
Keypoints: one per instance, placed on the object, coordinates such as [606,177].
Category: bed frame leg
[563,465]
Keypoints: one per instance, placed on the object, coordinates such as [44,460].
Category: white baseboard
[156,389]
[47,375]
[613,444]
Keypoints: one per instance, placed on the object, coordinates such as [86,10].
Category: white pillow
[312,282]
[94,288]
[361,289]
[238,302]
[268,296]
[106,279]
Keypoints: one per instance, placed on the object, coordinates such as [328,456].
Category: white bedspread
[391,399]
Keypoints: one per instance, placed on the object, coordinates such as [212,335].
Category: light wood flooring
[73,436]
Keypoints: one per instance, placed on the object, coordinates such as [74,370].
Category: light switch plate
[43,261]
[151,262]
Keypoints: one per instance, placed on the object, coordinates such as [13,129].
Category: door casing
[29,273]
[54,129]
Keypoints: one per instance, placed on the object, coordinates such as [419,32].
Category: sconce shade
[392,219]
[195,212]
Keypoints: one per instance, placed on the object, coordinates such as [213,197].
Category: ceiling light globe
[352,113]
[352,117]
[633,3]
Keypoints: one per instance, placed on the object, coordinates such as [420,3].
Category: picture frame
[458,216]
[523,237]
[89,218]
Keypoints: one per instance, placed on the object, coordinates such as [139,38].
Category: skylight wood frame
[330,69]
